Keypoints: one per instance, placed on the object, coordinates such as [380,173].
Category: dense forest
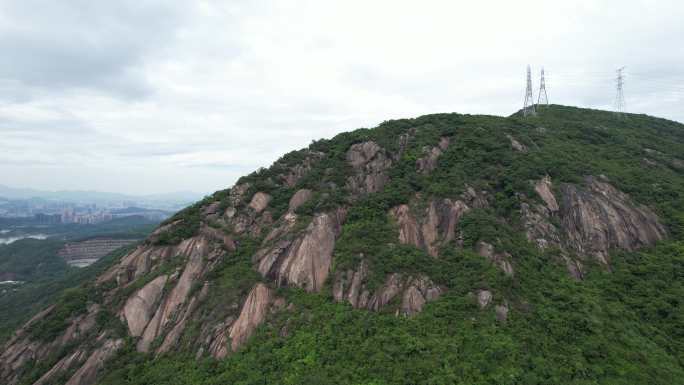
[621,321]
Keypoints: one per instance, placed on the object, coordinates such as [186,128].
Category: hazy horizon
[165,96]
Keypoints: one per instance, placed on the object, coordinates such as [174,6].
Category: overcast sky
[156,96]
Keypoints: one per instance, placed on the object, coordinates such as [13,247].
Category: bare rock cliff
[253,313]
[431,229]
[370,163]
[139,308]
[304,261]
[428,162]
[594,218]
[414,292]
[598,217]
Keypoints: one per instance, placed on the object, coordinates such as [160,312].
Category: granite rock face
[413,292]
[259,201]
[370,163]
[22,348]
[167,313]
[305,260]
[544,188]
[593,218]
[139,308]
[597,217]
[299,198]
[298,171]
[87,374]
[435,227]
[428,162]
[253,313]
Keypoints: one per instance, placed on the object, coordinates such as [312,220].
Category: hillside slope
[443,249]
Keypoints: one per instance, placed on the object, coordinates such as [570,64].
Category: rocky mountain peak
[435,217]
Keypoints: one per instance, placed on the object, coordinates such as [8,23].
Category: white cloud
[155,96]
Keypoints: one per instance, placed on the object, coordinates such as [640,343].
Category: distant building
[48,219]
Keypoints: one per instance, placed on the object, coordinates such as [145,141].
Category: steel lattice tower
[528,107]
[620,96]
[542,98]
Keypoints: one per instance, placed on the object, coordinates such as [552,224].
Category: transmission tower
[542,98]
[528,107]
[620,96]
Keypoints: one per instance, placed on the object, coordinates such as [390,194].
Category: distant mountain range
[96,196]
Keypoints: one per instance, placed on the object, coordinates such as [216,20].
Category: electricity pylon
[528,107]
[542,98]
[620,96]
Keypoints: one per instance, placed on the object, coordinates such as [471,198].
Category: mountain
[78,196]
[445,249]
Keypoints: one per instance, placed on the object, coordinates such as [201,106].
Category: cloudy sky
[155,96]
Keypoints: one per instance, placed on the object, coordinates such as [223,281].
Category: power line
[528,106]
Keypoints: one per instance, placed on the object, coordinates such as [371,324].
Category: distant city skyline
[161,96]
[93,195]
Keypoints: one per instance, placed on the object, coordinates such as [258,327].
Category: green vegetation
[30,298]
[621,327]
[32,259]
[46,274]
[36,260]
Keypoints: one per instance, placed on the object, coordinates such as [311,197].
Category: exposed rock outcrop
[370,163]
[517,146]
[172,305]
[87,373]
[182,317]
[474,198]
[253,313]
[502,260]
[250,221]
[299,198]
[437,226]
[544,189]
[440,226]
[297,172]
[147,257]
[218,341]
[428,163]
[484,298]
[306,260]
[211,209]
[229,335]
[501,312]
[22,348]
[139,308]
[598,217]
[66,363]
[415,292]
[409,230]
[259,201]
[538,226]
[225,239]
[594,218]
